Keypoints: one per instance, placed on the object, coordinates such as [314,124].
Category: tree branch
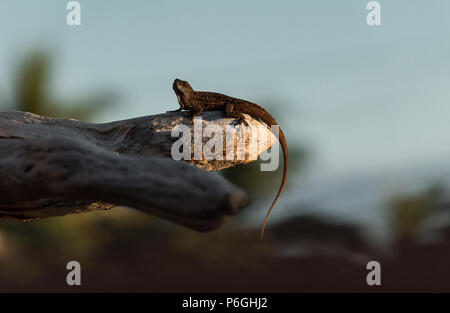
[51,167]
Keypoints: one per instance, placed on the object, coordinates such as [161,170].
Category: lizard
[198,101]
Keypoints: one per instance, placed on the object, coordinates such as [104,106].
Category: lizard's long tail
[282,141]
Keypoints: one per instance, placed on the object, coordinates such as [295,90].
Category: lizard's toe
[242,121]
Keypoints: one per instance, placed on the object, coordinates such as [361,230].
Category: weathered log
[147,135]
[51,167]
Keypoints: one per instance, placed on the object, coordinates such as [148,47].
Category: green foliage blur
[32,92]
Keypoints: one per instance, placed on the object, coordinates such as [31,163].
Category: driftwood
[51,167]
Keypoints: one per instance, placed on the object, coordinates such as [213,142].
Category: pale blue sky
[360,97]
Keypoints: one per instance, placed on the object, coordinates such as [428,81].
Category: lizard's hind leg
[231,113]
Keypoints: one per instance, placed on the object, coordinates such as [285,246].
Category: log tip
[236,201]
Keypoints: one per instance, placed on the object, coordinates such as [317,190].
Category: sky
[360,98]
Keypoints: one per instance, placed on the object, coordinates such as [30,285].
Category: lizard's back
[213,101]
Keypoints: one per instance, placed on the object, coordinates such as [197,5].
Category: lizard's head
[183,91]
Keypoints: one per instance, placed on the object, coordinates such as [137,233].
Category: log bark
[51,167]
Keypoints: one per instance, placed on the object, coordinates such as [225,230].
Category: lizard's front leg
[194,114]
[178,110]
[230,112]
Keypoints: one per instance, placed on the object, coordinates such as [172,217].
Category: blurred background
[365,111]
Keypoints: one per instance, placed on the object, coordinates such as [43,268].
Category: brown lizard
[199,101]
